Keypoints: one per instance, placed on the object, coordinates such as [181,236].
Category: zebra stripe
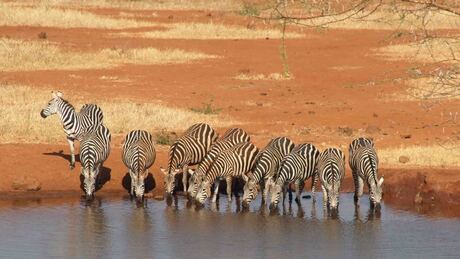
[233,162]
[95,148]
[76,124]
[231,137]
[364,166]
[296,167]
[265,167]
[331,170]
[189,149]
[138,154]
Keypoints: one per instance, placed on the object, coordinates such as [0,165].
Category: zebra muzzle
[42,113]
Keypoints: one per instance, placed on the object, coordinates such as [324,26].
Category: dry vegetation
[21,121]
[204,31]
[17,55]
[46,16]
[421,156]
[272,76]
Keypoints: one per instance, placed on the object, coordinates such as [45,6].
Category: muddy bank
[39,171]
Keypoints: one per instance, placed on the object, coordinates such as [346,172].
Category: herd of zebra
[270,170]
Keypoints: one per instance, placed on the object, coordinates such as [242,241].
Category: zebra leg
[72,153]
[284,193]
[313,185]
[324,197]
[265,187]
[356,181]
[298,190]
[360,187]
[290,193]
[216,191]
[229,188]
[184,179]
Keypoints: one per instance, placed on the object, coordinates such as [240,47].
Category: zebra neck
[67,115]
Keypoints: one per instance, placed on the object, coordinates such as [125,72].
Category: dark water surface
[116,228]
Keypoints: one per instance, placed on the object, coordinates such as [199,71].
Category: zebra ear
[245,177]
[163,171]
[56,94]
[191,171]
[380,181]
[176,171]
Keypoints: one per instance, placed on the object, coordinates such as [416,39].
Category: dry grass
[205,31]
[17,55]
[227,5]
[421,156]
[272,76]
[138,15]
[64,18]
[431,89]
[21,121]
[434,50]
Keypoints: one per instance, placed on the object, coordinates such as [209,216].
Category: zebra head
[52,106]
[250,190]
[89,182]
[194,182]
[138,183]
[170,180]
[204,192]
[333,194]
[275,195]
[375,192]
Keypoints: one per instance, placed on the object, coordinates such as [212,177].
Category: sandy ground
[338,82]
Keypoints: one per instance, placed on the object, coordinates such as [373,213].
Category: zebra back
[299,165]
[268,160]
[235,161]
[138,152]
[95,147]
[192,147]
[331,166]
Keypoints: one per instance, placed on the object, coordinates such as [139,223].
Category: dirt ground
[338,83]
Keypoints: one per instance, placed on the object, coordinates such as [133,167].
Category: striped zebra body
[231,137]
[94,150]
[138,154]
[233,162]
[189,149]
[296,167]
[265,167]
[76,124]
[331,170]
[364,166]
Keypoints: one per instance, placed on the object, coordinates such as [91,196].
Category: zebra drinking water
[296,167]
[138,154]
[331,170]
[76,124]
[264,169]
[231,137]
[189,149]
[233,162]
[95,149]
[364,162]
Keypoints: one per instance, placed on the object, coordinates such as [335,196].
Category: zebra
[296,167]
[264,169]
[233,162]
[331,170]
[138,154]
[94,150]
[364,162]
[76,124]
[230,138]
[189,149]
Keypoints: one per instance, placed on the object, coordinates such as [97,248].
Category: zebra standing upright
[233,162]
[189,149]
[76,124]
[94,150]
[265,167]
[296,167]
[331,170]
[231,137]
[363,162]
[138,154]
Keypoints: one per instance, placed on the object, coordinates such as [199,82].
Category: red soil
[309,108]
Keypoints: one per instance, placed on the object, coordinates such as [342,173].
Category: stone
[404,159]
[372,129]
[345,131]
[26,183]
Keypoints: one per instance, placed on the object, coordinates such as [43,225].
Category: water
[116,228]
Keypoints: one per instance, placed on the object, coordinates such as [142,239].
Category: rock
[403,159]
[372,129]
[42,35]
[406,136]
[171,17]
[345,131]
[26,183]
